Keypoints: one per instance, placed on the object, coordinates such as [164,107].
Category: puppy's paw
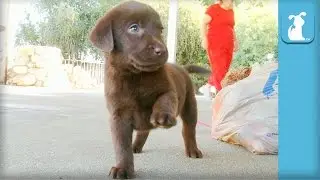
[120,173]
[163,119]
[136,149]
[194,152]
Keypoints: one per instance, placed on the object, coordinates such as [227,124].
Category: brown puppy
[142,91]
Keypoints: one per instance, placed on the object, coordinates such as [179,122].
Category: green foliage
[27,33]
[189,50]
[256,29]
[66,24]
[257,33]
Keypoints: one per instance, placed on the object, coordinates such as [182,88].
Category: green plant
[256,29]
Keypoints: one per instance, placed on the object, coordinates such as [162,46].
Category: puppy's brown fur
[142,91]
[234,76]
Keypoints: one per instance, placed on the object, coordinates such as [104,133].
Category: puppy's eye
[134,28]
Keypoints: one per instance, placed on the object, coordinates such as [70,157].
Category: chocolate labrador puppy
[142,91]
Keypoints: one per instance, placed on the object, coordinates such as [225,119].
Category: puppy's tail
[197,70]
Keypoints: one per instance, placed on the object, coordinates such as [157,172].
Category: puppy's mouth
[146,67]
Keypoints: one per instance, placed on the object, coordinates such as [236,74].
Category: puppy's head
[134,30]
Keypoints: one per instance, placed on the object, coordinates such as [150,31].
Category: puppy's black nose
[157,50]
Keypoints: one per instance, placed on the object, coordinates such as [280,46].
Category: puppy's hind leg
[189,118]
[140,140]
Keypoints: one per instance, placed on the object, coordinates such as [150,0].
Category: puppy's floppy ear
[101,35]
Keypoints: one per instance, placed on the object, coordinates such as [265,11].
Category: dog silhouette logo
[295,31]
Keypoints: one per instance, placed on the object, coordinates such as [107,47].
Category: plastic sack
[246,113]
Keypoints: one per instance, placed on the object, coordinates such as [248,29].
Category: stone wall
[44,66]
[37,66]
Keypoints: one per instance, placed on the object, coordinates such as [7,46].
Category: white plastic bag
[246,113]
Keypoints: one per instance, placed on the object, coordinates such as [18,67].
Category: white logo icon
[295,30]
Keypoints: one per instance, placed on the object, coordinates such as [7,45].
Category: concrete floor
[56,135]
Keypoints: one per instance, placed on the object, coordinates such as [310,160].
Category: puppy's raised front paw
[163,119]
[194,152]
[136,148]
[120,173]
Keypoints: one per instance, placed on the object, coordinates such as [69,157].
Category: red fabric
[220,43]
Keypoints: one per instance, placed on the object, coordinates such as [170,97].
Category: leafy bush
[257,33]
[256,29]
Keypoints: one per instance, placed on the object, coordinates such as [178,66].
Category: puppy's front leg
[121,131]
[164,111]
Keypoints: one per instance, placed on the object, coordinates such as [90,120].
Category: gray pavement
[65,135]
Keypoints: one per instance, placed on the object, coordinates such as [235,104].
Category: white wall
[172,30]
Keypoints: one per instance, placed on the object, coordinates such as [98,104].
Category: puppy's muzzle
[158,50]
